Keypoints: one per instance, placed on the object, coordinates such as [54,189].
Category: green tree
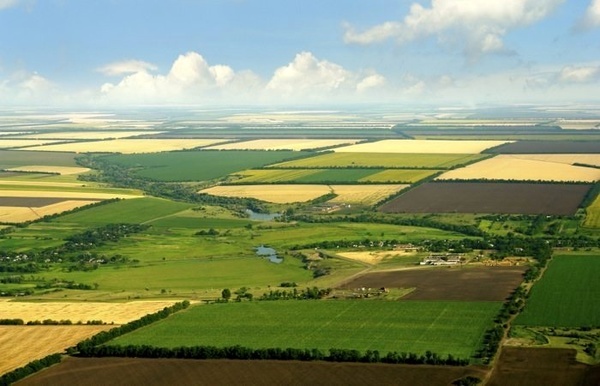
[226,294]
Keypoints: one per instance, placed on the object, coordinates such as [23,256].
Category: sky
[103,53]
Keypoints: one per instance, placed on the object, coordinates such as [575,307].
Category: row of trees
[28,369]
[246,353]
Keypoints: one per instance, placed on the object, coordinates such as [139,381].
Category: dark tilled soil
[181,372]
[520,366]
[490,197]
[447,283]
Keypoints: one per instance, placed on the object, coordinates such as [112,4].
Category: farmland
[548,147]
[284,144]
[117,313]
[281,194]
[49,169]
[461,284]
[126,146]
[190,166]
[465,197]
[19,214]
[564,296]
[157,372]
[363,194]
[22,344]
[23,143]
[88,134]
[421,146]
[442,326]
[381,160]
[592,218]
[509,167]
[14,158]
[325,176]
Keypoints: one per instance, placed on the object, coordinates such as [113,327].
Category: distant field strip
[421,146]
[569,159]
[79,195]
[399,175]
[567,295]
[280,194]
[118,313]
[128,146]
[443,327]
[50,169]
[16,143]
[284,144]
[87,134]
[381,160]
[509,167]
[22,344]
[14,158]
[363,194]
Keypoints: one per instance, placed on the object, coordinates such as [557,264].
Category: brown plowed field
[482,197]
[149,372]
[520,366]
[445,283]
[548,147]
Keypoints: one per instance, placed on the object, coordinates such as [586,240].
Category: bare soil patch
[499,197]
[520,366]
[447,283]
[135,371]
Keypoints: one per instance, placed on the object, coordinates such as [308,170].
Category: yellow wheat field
[88,134]
[363,194]
[374,257]
[17,214]
[284,144]
[421,146]
[20,345]
[569,159]
[129,146]
[508,167]
[16,143]
[63,170]
[280,194]
[117,313]
[53,194]
[578,124]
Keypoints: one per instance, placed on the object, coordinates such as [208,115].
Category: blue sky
[459,52]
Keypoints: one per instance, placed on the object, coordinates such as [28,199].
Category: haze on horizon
[68,53]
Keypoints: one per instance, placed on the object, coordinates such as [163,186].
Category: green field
[592,217]
[137,210]
[313,176]
[399,175]
[382,160]
[14,158]
[443,327]
[567,295]
[199,165]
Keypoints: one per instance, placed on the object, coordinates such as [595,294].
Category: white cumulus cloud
[477,26]
[579,74]
[126,67]
[8,3]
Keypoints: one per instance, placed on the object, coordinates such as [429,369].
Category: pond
[261,216]
[268,253]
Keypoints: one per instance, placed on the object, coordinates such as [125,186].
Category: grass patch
[567,295]
[199,165]
[453,328]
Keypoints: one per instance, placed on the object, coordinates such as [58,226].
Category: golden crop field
[284,144]
[20,345]
[509,167]
[129,146]
[16,143]
[273,175]
[88,134]
[18,214]
[50,169]
[569,159]
[592,214]
[363,194]
[54,193]
[421,146]
[280,194]
[117,313]
[374,257]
